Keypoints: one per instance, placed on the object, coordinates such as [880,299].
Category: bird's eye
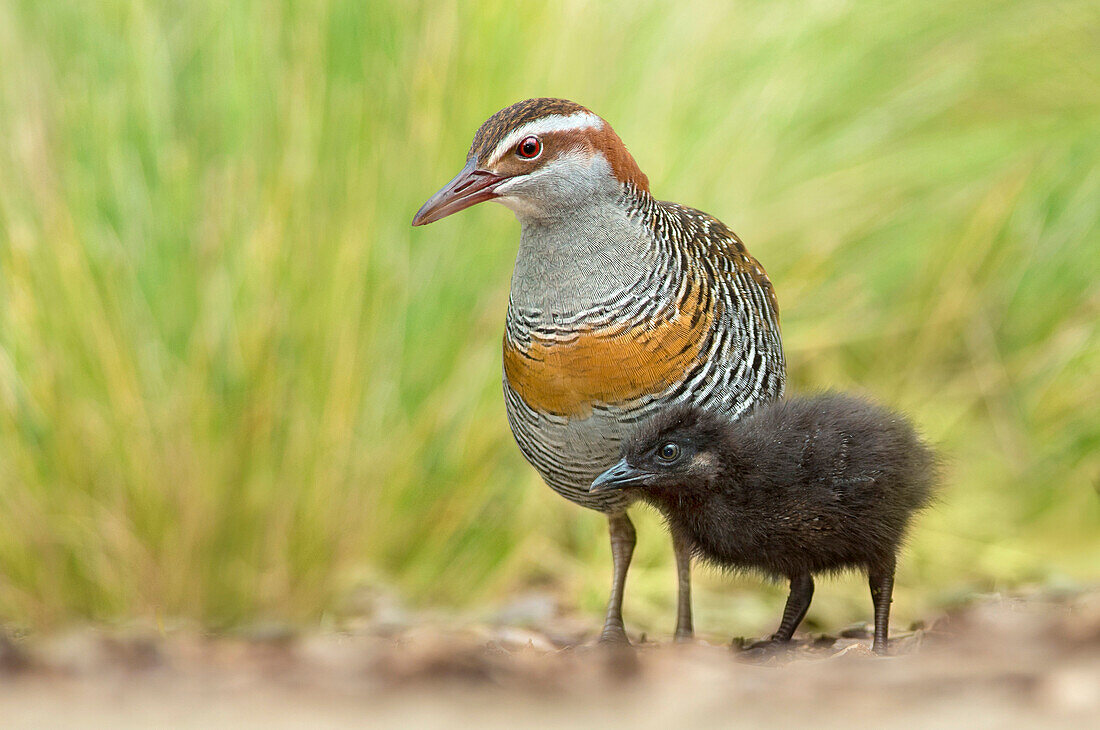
[529,148]
[669,452]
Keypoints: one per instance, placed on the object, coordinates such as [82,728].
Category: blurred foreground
[1030,661]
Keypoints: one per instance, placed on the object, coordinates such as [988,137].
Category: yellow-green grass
[235,385]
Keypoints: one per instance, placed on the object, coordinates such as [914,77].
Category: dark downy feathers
[806,484]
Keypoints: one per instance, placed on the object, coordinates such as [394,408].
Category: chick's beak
[469,187]
[618,477]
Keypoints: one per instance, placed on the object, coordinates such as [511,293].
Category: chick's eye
[669,452]
[529,148]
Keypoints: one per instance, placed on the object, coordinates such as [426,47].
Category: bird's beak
[469,187]
[620,476]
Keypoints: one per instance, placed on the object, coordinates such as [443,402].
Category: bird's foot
[614,635]
[684,636]
[762,649]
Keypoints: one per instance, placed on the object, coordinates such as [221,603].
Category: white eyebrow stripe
[545,125]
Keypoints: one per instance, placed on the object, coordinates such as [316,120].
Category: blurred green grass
[236,385]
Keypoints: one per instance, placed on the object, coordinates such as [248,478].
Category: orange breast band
[567,376]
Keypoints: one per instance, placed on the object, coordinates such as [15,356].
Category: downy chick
[799,487]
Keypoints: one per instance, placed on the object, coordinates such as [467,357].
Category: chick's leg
[798,602]
[881,580]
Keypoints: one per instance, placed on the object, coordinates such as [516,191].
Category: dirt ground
[1031,661]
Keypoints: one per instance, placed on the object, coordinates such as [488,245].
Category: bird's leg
[798,602]
[623,538]
[881,579]
[684,628]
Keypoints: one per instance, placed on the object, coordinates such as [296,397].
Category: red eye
[529,148]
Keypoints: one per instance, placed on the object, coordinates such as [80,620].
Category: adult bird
[620,304]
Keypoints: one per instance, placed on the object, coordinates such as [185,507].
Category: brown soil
[999,662]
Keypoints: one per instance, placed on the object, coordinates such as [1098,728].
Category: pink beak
[469,187]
